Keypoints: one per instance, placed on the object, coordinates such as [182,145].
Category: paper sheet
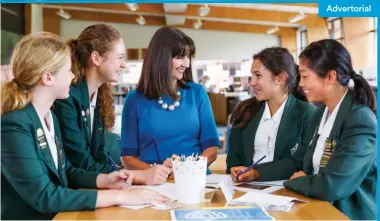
[266,199]
[137,207]
[269,208]
[284,208]
[216,178]
[166,189]
[172,205]
[169,190]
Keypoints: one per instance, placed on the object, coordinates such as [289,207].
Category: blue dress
[189,129]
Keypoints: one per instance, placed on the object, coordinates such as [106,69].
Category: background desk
[313,210]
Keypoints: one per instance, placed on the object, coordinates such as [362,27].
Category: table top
[312,210]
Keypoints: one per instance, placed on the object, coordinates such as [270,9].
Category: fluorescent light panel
[297,18]
[273,30]
[140,20]
[133,7]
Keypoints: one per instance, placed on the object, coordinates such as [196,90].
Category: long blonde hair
[100,38]
[33,56]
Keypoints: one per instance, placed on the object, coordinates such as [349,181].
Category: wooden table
[313,210]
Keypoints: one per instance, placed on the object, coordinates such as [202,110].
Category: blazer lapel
[98,130]
[284,133]
[341,115]
[42,143]
[61,154]
[250,131]
[85,112]
[311,139]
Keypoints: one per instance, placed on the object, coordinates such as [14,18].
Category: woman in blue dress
[167,113]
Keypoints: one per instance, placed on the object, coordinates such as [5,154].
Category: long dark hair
[277,60]
[166,44]
[328,54]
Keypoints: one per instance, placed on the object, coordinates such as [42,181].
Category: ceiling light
[204,10]
[63,14]
[141,20]
[133,7]
[197,24]
[297,18]
[273,30]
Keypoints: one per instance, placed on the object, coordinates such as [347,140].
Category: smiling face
[112,63]
[265,84]
[314,87]
[179,66]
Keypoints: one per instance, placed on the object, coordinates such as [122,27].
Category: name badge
[41,138]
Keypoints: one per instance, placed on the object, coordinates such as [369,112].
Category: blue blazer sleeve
[208,133]
[129,127]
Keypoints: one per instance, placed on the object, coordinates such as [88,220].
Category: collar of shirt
[278,115]
[50,135]
[326,125]
[92,108]
[94,99]
[49,121]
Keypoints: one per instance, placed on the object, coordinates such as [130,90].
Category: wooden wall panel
[357,40]
[289,41]
[28,18]
[316,29]
[51,21]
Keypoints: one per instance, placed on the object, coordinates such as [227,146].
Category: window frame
[332,30]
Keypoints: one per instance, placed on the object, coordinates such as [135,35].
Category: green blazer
[295,119]
[349,178]
[31,186]
[83,150]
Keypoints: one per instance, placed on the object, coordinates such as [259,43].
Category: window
[335,29]
[373,40]
[232,67]
[303,39]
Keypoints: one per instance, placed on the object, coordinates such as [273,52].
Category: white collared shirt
[265,138]
[92,108]
[50,136]
[324,131]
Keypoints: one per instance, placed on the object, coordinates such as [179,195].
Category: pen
[250,167]
[115,167]
[155,147]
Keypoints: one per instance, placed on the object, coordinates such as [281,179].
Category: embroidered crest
[294,149]
[328,150]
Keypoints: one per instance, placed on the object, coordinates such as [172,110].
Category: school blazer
[349,178]
[31,186]
[295,119]
[83,150]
